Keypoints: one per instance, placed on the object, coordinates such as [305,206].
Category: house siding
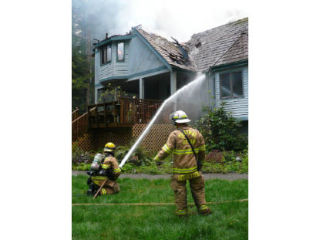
[237,106]
[114,68]
[143,58]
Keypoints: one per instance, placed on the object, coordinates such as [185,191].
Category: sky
[177,18]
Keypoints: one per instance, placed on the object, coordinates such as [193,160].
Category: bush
[220,130]
[229,164]
[112,93]
[139,157]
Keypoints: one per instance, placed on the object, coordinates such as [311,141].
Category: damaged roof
[173,52]
[218,46]
[221,45]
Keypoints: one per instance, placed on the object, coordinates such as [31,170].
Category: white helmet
[180,117]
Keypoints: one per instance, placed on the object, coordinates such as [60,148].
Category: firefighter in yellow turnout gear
[185,165]
[108,169]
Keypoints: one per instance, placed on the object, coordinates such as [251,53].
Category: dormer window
[120,51]
[106,54]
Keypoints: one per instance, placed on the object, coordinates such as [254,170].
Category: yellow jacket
[184,160]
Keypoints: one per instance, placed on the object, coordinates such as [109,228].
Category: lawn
[228,221]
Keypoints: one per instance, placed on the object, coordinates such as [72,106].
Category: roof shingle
[221,45]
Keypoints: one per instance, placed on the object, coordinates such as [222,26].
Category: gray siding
[114,68]
[142,58]
[237,106]
[138,59]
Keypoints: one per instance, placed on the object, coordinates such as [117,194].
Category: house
[152,68]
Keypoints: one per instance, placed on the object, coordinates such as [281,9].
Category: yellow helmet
[109,147]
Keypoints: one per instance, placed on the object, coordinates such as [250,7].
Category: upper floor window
[120,51]
[106,54]
[231,84]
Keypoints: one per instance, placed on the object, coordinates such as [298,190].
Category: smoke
[176,18]
[190,99]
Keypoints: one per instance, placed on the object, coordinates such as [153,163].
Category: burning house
[152,68]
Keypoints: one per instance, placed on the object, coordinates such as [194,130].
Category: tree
[80,80]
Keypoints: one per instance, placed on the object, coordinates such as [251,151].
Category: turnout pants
[180,191]
[112,187]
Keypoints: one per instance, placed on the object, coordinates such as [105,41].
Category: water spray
[144,133]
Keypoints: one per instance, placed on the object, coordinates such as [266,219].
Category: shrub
[221,130]
[139,156]
[112,93]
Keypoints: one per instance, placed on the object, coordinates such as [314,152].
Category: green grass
[228,221]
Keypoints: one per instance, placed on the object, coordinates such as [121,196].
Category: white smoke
[176,18]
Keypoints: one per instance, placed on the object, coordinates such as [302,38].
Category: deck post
[173,86]
[173,82]
[141,88]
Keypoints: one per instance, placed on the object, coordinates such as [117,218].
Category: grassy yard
[228,221]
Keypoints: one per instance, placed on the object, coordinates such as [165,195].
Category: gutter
[113,39]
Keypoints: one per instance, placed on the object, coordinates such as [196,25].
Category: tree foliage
[80,80]
[221,130]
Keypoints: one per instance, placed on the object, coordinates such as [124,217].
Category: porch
[125,112]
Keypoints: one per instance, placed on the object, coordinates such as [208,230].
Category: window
[106,54]
[231,85]
[120,51]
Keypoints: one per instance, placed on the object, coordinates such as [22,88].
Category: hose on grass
[151,203]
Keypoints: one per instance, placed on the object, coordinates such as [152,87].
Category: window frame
[124,51]
[231,84]
[103,51]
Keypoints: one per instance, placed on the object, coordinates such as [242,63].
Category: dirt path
[227,176]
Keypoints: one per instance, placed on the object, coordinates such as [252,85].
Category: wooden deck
[122,113]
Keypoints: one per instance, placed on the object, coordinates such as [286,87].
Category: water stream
[186,92]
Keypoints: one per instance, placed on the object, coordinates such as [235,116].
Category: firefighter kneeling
[104,167]
[188,149]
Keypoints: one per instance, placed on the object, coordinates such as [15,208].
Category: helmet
[109,147]
[180,117]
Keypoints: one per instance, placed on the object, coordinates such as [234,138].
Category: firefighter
[188,149]
[109,169]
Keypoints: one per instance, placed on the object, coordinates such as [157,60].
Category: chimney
[106,35]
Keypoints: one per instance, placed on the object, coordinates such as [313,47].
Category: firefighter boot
[103,191]
[204,210]
[182,212]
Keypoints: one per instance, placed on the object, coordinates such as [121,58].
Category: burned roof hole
[198,44]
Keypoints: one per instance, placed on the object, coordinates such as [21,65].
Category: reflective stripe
[181,212]
[117,170]
[103,191]
[184,170]
[202,148]
[204,207]
[156,158]
[166,149]
[105,166]
[98,178]
[185,151]
[188,176]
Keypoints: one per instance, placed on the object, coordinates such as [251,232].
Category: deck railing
[79,126]
[124,112]
[75,114]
